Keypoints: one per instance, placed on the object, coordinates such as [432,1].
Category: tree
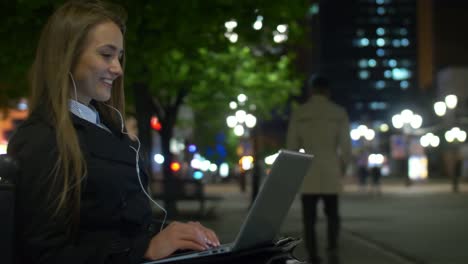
[176,54]
[185,58]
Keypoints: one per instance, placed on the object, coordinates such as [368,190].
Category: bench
[185,190]
[8,171]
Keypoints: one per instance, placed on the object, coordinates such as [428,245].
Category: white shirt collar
[85,112]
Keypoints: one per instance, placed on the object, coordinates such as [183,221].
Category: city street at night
[423,223]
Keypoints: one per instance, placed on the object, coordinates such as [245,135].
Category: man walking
[321,128]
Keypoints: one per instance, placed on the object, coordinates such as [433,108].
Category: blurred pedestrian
[362,169]
[81,189]
[321,128]
[376,175]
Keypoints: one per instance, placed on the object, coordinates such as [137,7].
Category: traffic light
[175,166]
[155,124]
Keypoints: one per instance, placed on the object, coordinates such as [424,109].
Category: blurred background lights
[440,108]
[195,163]
[242,98]
[213,167]
[231,121]
[158,158]
[246,162]
[451,101]
[429,139]
[397,121]
[192,148]
[282,28]
[455,134]
[198,175]
[22,104]
[258,24]
[233,105]
[416,121]
[250,120]
[362,131]
[375,160]
[384,127]
[269,160]
[205,165]
[239,130]
[224,170]
[240,116]
[175,166]
[230,25]
[233,37]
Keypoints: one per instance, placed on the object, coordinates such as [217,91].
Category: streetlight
[362,131]
[450,102]
[430,140]
[440,108]
[407,121]
[242,123]
[455,135]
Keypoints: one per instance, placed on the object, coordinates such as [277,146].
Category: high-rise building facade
[368,48]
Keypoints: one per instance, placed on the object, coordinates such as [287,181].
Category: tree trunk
[144,111]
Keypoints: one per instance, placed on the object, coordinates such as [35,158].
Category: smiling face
[99,63]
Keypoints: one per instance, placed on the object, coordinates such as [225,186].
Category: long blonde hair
[61,43]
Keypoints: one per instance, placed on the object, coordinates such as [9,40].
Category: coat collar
[99,142]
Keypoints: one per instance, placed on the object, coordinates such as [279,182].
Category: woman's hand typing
[181,236]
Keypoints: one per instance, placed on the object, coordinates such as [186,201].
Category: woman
[80,193]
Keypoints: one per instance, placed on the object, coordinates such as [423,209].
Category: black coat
[115,219]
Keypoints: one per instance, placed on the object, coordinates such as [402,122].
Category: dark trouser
[309,212]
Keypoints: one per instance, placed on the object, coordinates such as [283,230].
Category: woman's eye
[106,55]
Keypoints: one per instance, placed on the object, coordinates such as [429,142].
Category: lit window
[392,63]
[388,74]
[379,2]
[380,85]
[380,52]
[362,63]
[364,74]
[380,42]
[380,10]
[380,31]
[404,85]
[364,42]
[372,63]
[401,74]
[405,42]
[396,43]
[377,105]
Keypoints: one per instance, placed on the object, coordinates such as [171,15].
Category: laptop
[266,215]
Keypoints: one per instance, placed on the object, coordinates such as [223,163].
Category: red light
[175,166]
[155,124]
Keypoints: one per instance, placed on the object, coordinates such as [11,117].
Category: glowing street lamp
[455,135]
[451,101]
[429,140]
[440,108]
[407,117]
[362,131]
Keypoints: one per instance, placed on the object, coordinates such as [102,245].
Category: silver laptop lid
[274,199]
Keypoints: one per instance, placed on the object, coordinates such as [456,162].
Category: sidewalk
[424,223]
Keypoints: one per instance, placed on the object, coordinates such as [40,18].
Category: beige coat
[321,128]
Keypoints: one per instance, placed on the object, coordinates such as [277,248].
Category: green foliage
[174,46]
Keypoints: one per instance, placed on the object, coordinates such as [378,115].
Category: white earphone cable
[137,150]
